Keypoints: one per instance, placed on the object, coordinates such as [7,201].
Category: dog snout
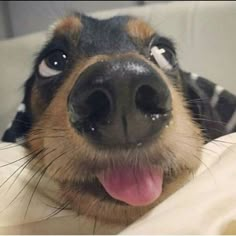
[120,102]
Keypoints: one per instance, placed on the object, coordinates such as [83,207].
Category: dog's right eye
[53,64]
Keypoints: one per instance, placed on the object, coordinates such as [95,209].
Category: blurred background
[18,18]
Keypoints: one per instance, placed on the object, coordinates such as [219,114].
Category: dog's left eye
[163,54]
[164,57]
[53,64]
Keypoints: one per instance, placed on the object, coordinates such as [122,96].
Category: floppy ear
[212,106]
[23,119]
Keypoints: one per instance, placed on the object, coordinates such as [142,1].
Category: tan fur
[69,26]
[37,104]
[139,29]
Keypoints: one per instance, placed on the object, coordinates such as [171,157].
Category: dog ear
[212,106]
[22,121]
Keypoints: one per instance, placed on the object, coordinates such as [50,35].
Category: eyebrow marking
[139,29]
[69,25]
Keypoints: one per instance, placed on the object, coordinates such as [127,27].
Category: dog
[112,118]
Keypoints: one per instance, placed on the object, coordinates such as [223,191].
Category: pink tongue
[137,187]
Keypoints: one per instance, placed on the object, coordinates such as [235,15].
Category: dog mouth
[134,186]
[125,185]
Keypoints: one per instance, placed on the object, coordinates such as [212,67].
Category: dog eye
[163,55]
[53,64]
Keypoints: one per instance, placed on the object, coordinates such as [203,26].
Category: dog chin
[90,198]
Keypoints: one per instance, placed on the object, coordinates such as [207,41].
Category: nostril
[99,107]
[92,108]
[148,101]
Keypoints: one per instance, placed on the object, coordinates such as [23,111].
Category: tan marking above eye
[70,24]
[139,29]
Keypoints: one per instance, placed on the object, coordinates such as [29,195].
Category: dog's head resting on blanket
[107,120]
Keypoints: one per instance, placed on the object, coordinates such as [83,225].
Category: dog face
[109,123]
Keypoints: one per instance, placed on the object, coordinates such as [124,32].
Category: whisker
[22,189]
[222,141]
[57,207]
[213,121]
[37,126]
[17,159]
[208,140]
[57,211]
[21,166]
[203,100]
[94,226]
[32,166]
[36,186]
[207,167]
[30,140]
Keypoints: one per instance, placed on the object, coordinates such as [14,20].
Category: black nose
[119,102]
